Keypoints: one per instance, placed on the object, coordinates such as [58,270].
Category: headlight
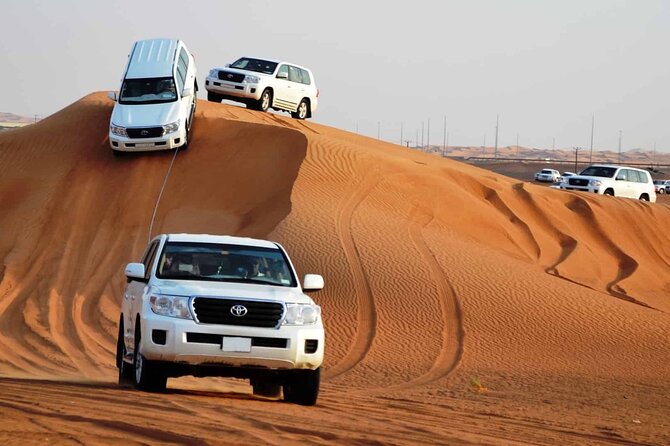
[172,127]
[213,73]
[595,182]
[302,314]
[173,306]
[249,79]
[119,131]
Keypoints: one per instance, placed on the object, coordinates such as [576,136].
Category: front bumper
[592,189]
[175,340]
[237,90]
[165,142]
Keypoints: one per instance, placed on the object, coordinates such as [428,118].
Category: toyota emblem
[230,76]
[238,310]
[144,133]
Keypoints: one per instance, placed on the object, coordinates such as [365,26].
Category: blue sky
[545,67]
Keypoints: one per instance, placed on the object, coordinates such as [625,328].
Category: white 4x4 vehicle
[207,305]
[619,181]
[262,84]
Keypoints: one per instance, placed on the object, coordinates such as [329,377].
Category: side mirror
[135,271]
[227,65]
[282,75]
[620,178]
[312,282]
[112,95]
[187,92]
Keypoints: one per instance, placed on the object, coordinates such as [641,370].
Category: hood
[230,289]
[148,115]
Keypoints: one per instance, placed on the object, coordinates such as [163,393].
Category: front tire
[302,112]
[213,97]
[609,192]
[125,370]
[302,387]
[148,376]
[265,101]
[266,387]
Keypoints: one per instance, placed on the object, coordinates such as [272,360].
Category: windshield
[257,65]
[155,90]
[547,171]
[599,171]
[659,182]
[224,263]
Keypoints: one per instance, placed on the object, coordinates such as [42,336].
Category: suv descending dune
[207,305]
[263,84]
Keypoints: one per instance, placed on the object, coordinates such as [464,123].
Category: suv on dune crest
[207,305]
[618,181]
[263,84]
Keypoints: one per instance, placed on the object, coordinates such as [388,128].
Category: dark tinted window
[148,259]
[154,90]
[257,65]
[599,171]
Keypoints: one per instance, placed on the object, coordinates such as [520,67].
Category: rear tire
[266,387]
[148,375]
[644,197]
[302,112]
[125,369]
[609,192]
[302,387]
[213,97]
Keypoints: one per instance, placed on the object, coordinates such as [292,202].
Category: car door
[132,299]
[282,91]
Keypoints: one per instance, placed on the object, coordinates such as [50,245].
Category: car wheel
[265,101]
[119,153]
[644,197]
[148,376]
[125,370]
[661,191]
[213,97]
[302,387]
[266,387]
[187,138]
[609,192]
[302,112]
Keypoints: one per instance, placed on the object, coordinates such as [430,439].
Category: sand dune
[461,306]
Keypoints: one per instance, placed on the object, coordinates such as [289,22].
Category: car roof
[222,239]
[152,58]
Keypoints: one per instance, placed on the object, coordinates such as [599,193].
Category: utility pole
[447,145]
[416,141]
[576,152]
[422,135]
[444,145]
[619,146]
[407,141]
[593,123]
[497,121]
[428,136]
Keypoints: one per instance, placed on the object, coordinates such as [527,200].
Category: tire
[119,153]
[302,112]
[187,137]
[302,387]
[147,375]
[265,102]
[266,387]
[213,97]
[125,370]
[644,197]
[661,191]
[609,192]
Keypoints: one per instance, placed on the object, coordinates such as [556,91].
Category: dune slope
[517,312]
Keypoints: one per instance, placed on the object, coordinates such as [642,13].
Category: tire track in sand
[451,350]
[366,311]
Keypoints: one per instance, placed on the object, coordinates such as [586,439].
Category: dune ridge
[451,292]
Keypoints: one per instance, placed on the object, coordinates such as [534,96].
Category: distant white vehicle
[263,84]
[212,305]
[618,181]
[661,186]
[156,103]
[565,175]
[547,175]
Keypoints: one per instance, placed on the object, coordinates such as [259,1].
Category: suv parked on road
[262,84]
[156,104]
[660,186]
[619,181]
[207,305]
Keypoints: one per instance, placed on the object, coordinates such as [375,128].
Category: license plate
[231,344]
[144,144]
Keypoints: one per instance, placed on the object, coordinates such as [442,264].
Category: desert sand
[461,306]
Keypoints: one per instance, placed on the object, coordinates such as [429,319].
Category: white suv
[207,305]
[262,84]
[156,103]
[619,181]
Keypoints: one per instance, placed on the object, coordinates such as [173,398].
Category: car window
[155,90]
[305,77]
[283,69]
[635,176]
[599,171]
[224,263]
[257,65]
[294,74]
[148,259]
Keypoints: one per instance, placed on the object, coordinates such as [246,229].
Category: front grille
[209,310]
[207,338]
[145,132]
[231,77]
[578,182]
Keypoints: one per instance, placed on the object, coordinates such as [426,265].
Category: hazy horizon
[545,68]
